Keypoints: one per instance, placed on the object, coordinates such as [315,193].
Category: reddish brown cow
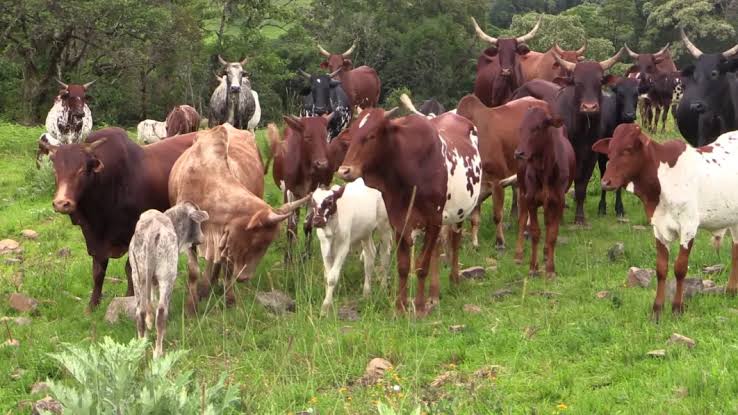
[427,177]
[545,173]
[657,72]
[498,139]
[182,119]
[105,184]
[301,161]
[499,71]
[362,84]
[538,65]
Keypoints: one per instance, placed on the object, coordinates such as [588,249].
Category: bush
[111,379]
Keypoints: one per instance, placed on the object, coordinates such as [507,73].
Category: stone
[545,294]
[39,387]
[718,289]
[22,303]
[348,313]
[9,246]
[472,273]
[639,277]
[677,338]
[616,252]
[125,306]
[47,404]
[472,309]
[713,269]
[64,252]
[276,301]
[657,353]
[529,332]
[602,294]
[692,286]
[501,293]
[13,261]
[11,343]
[708,284]
[562,240]
[443,378]
[488,372]
[623,219]
[457,328]
[639,228]
[376,367]
[21,321]
[113,280]
[29,234]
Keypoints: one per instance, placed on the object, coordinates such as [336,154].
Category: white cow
[151,131]
[254,121]
[344,217]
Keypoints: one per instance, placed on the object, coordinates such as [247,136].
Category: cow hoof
[677,309]
[534,273]
[242,278]
[656,312]
[550,275]
[203,291]
[518,260]
[731,291]
[500,246]
[602,211]
[191,310]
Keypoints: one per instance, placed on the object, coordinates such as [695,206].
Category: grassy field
[564,352]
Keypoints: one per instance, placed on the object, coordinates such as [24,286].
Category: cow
[222,174]
[536,65]
[256,118]
[431,107]
[104,184]
[69,120]
[362,84]
[326,96]
[578,104]
[345,216]
[232,100]
[154,253]
[499,71]
[545,173]
[429,174]
[498,133]
[151,131]
[182,119]
[682,189]
[656,70]
[300,161]
[709,106]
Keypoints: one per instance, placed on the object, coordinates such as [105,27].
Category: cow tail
[274,142]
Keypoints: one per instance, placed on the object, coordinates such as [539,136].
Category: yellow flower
[348,398]
[562,406]
[313,400]
[343,389]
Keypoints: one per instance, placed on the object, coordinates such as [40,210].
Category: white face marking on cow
[318,80]
[363,121]
[630,187]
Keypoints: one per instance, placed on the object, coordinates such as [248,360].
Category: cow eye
[714,74]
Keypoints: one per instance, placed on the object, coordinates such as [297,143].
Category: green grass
[585,356]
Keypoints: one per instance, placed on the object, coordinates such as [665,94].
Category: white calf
[343,217]
[154,253]
[151,131]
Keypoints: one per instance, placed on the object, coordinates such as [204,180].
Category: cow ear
[610,80]
[199,216]
[602,146]
[324,65]
[490,51]
[658,59]
[95,165]
[643,138]
[293,122]
[347,64]
[562,81]
[523,49]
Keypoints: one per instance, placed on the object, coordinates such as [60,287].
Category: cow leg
[602,164]
[498,195]
[680,271]
[193,276]
[423,266]
[552,211]
[455,237]
[732,287]
[663,118]
[514,205]
[99,266]
[619,208]
[434,296]
[656,117]
[333,273]
[385,256]
[370,252]
[535,236]
[649,118]
[129,290]
[580,184]
[522,224]
[162,312]
[142,298]
[212,272]
[403,269]
[476,217]
[662,268]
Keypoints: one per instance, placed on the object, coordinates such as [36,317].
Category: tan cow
[222,174]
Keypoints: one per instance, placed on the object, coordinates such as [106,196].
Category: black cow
[431,107]
[325,96]
[710,103]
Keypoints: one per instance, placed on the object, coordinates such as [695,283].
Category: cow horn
[731,52]
[290,207]
[89,84]
[222,61]
[630,52]
[569,66]
[696,53]
[482,35]
[349,51]
[243,62]
[408,104]
[390,113]
[323,51]
[557,48]
[62,83]
[529,36]
[607,64]
[664,49]
[95,144]
[304,74]
[334,73]
[583,49]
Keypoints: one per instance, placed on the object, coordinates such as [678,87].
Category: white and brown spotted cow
[429,174]
[682,189]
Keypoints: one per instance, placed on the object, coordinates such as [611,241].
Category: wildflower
[343,389]
[396,388]
[562,406]
[313,400]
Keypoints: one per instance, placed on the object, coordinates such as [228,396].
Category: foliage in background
[112,378]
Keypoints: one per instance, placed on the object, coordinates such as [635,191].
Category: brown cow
[499,72]
[104,185]
[538,65]
[498,139]
[222,174]
[427,176]
[658,73]
[182,119]
[362,84]
[545,173]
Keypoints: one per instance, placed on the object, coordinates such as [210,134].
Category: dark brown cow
[498,138]
[301,161]
[499,71]
[658,72]
[538,65]
[182,119]
[545,173]
[428,173]
[105,184]
[362,84]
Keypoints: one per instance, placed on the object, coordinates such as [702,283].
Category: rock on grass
[22,303]
[472,273]
[639,277]
[9,246]
[125,306]
[657,353]
[276,301]
[29,234]
[472,309]
[616,252]
[47,405]
[677,338]
[692,286]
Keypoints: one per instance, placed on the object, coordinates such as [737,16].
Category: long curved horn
[89,84]
[696,53]
[390,113]
[482,35]
[569,66]
[92,146]
[408,104]
[290,207]
[630,52]
[557,48]
[349,51]
[583,49]
[664,49]
[323,51]
[608,63]
[222,61]
[304,74]
[731,52]
[334,73]
[243,62]
[529,35]
[62,83]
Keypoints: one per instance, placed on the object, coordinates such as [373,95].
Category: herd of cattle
[536,121]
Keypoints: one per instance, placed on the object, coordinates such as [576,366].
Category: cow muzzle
[607,185]
[629,117]
[320,165]
[519,155]
[349,173]
[235,89]
[63,205]
[506,72]
[698,107]
[589,107]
